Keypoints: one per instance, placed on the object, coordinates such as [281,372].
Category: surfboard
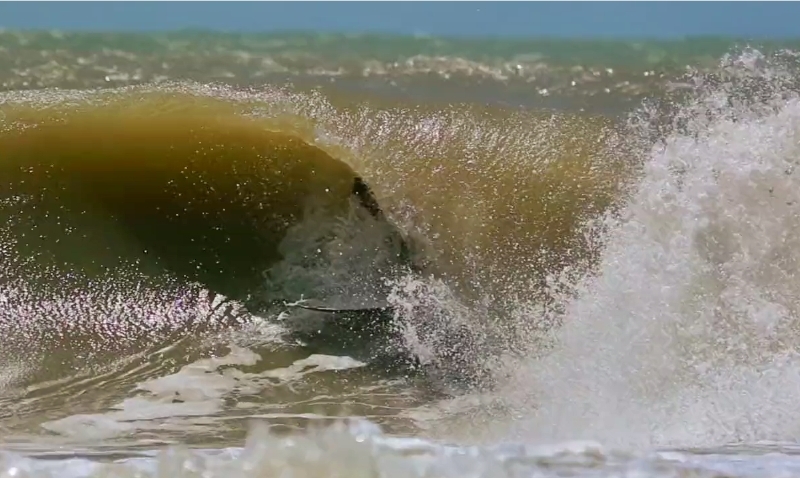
[340,310]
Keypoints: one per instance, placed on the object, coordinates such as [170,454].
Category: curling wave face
[252,197]
[173,184]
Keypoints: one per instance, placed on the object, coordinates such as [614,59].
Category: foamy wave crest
[687,334]
[357,448]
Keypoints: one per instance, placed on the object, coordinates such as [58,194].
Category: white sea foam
[688,333]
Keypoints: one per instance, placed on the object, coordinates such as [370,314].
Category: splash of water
[687,334]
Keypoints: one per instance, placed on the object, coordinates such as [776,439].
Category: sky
[497,19]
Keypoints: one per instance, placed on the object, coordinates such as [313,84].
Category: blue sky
[556,19]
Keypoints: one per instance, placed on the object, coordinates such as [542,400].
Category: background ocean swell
[607,76]
[683,336]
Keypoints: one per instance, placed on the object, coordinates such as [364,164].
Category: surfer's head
[366,198]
